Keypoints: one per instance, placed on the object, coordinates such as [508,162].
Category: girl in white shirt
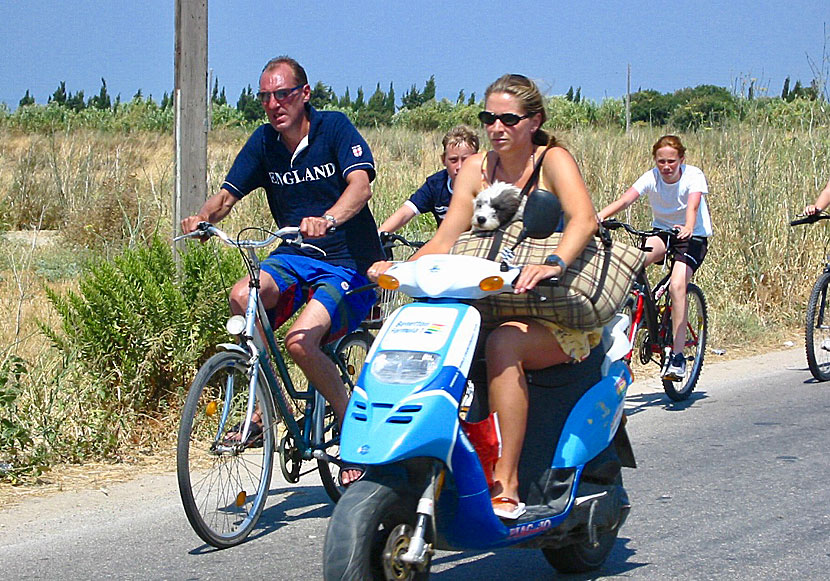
[676,192]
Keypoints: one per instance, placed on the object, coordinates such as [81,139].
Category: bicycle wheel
[351,351]
[224,483]
[697,330]
[817,330]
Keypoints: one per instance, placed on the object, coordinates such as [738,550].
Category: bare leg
[658,250]
[303,342]
[512,348]
[681,275]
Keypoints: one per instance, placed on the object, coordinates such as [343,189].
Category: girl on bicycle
[676,192]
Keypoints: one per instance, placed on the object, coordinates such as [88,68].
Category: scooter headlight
[404,367]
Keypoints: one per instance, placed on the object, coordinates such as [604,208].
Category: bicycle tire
[695,348]
[817,331]
[224,487]
[351,350]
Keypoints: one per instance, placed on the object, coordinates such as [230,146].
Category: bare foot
[350,475]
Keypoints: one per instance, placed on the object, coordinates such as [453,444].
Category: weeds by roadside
[101,333]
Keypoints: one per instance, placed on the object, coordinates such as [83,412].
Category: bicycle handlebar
[388,238]
[613,224]
[288,234]
[810,218]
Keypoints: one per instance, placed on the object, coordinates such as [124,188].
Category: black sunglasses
[280,94]
[508,119]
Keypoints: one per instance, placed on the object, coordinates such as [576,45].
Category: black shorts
[691,251]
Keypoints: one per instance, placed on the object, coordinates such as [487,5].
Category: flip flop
[234,435]
[517,508]
[348,467]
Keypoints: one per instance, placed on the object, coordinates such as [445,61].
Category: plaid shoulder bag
[589,294]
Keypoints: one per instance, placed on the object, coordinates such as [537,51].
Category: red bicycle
[650,313]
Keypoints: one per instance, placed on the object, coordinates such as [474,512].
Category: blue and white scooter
[424,487]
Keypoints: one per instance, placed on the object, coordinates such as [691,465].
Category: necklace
[499,164]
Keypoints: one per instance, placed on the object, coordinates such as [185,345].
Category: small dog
[497,205]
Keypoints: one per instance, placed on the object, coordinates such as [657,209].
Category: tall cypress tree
[26,100]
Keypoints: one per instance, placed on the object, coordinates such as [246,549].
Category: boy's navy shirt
[434,196]
[310,184]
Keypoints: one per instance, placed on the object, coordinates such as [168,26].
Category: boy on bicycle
[434,196]
[316,170]
[676,193]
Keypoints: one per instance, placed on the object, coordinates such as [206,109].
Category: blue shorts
[301,278]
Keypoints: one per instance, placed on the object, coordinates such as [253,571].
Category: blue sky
[466,45]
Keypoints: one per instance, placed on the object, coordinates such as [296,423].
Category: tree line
[689,107]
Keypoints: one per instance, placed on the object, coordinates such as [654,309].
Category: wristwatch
[555,260]
[331,219]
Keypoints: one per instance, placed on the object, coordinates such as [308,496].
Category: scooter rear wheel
[367,534]
[581,557]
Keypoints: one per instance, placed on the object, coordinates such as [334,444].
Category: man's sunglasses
[508,119]
[280,94]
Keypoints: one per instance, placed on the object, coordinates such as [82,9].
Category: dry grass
[101,192]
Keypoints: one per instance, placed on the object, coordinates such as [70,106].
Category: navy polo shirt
[309,182]
[434,196]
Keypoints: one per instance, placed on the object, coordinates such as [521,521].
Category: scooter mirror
[542,214]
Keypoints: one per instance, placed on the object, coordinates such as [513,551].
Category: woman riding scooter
[513,116]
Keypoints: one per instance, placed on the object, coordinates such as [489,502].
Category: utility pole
[190,102]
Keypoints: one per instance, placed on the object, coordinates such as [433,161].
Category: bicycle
[224,455]
[816,329]
[650,313]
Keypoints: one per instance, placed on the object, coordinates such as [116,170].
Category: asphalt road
[730,485]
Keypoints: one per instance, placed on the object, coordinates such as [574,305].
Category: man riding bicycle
[676,192]
[316,170]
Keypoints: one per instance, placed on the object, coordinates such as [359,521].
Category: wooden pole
[190,94]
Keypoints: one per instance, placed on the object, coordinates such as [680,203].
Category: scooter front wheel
[368,532]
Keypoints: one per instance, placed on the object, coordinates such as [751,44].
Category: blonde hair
[461,134]
[529,96]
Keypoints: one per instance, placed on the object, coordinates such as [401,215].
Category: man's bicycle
[240,396]
[650,313]
[817,324]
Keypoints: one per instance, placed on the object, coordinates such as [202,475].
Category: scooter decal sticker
[530,528]
[421,331]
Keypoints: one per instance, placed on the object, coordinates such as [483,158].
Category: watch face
[554,260]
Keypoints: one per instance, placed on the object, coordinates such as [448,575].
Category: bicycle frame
[265,356]
[256,313]
[645,306]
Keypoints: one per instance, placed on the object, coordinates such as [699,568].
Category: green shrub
[15,437]
[437,116]
[141,329]
[704,110]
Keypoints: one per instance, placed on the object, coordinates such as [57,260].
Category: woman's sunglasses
[507,119]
